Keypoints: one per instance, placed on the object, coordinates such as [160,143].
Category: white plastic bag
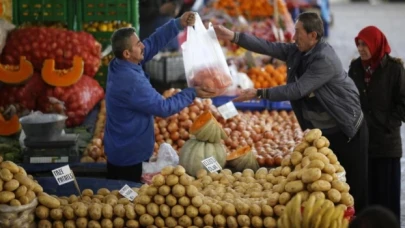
[341,176]
[204,61]
[166,156]
[5,28]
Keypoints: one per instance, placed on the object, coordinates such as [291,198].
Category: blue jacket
[132,102]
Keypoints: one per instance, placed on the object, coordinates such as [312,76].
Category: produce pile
[18,195]
[51,72]
[268,76]
[102,26]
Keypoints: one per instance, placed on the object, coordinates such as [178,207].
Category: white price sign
[63,175]
[128,193]
[228,110]
[211,164]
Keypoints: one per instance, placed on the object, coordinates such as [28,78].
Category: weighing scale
[46,142]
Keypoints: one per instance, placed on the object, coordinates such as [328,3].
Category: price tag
[211,164]
[228,110]
[128,193]
[63,175]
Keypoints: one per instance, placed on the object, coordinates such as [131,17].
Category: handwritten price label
[63,175]
[211,164]
[128,193]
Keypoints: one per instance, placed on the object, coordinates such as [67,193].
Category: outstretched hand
[223,33]
[245,95]
[187,19]
[205,92]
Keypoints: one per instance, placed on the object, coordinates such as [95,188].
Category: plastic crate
[51,187]
[283,105]
[166,69]
[104,38]
[253,105]
[101,76]
[46,11]
[108,10]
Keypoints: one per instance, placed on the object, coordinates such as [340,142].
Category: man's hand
[223,33]
[187,19]
[205,92]
[245,95]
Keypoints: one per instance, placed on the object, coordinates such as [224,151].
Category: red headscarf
[376,43]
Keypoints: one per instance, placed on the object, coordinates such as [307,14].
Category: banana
[338,215]
[296,215]
[317,220]
[309,206]
[285,221]
[345,223]
[334,224]
[326,219]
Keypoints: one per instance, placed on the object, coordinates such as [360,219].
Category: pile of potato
[18,194]
[103,208]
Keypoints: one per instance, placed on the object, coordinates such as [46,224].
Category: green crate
[101,76]
[45,11]
[104,38]
[108,10]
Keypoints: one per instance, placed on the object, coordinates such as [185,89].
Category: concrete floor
[349,20]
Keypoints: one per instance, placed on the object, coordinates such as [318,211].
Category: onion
[97,142]
[180,143]
[162,123]
[175,136]
[172,127]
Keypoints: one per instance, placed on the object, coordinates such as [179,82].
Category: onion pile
[273,134]
[95,150]
[175,129]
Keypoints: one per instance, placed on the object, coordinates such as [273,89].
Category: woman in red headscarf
[380,79]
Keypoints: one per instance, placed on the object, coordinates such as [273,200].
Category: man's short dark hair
[120,41]
[312,22]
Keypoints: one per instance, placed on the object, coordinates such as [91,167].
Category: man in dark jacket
[131,101]
[321,94]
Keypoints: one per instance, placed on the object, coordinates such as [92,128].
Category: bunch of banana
[317,213]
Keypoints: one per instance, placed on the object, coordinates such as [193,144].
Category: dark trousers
[353,156]
[385,183]
[128,173]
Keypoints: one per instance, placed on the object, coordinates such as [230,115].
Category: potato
[68,212]
[273,199]
[329,169]
[317,195]
[49,201]
[243,220]
[81,210]
[257,221]
[204,209]
[6,196]
[25,180]
[184,201]
[57,224]
[140,209]
[284,198]
[347,199]
[119,210]
[15,202]
[285,171]
[269,222]
[158,199]
[30,195]
[164,210]
[81,222]
[107,211]
[11,185]
[220,221]
[198,221]
[311,175]
[279,210]
[286,161]
[326,177]
[178,190]
[87,192]
[146,220]
[6,175]
[294,186]
[177,211]
[279,187]
[321,186]
[301,147]
[179,170]
[11,166]
[56,214]
[310,150]
[332,158]
[119,222]
[325,151]
[255,210]
[316,164]
[37,188]
[152,209]
[340,186]
[277,171]
[164,190]
[334,195]
[42,212]
[103,191]
[94,211]
[319,143]
[319,156]
[231,222]
[158,180]
[296,158]
[107,223]
[94,224]
[70,224]
[24,200]
[143,199]
[171,200]
[313,135]
[159,222]
[44,224]
[123,201]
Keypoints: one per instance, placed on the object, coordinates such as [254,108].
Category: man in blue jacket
[131,101]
